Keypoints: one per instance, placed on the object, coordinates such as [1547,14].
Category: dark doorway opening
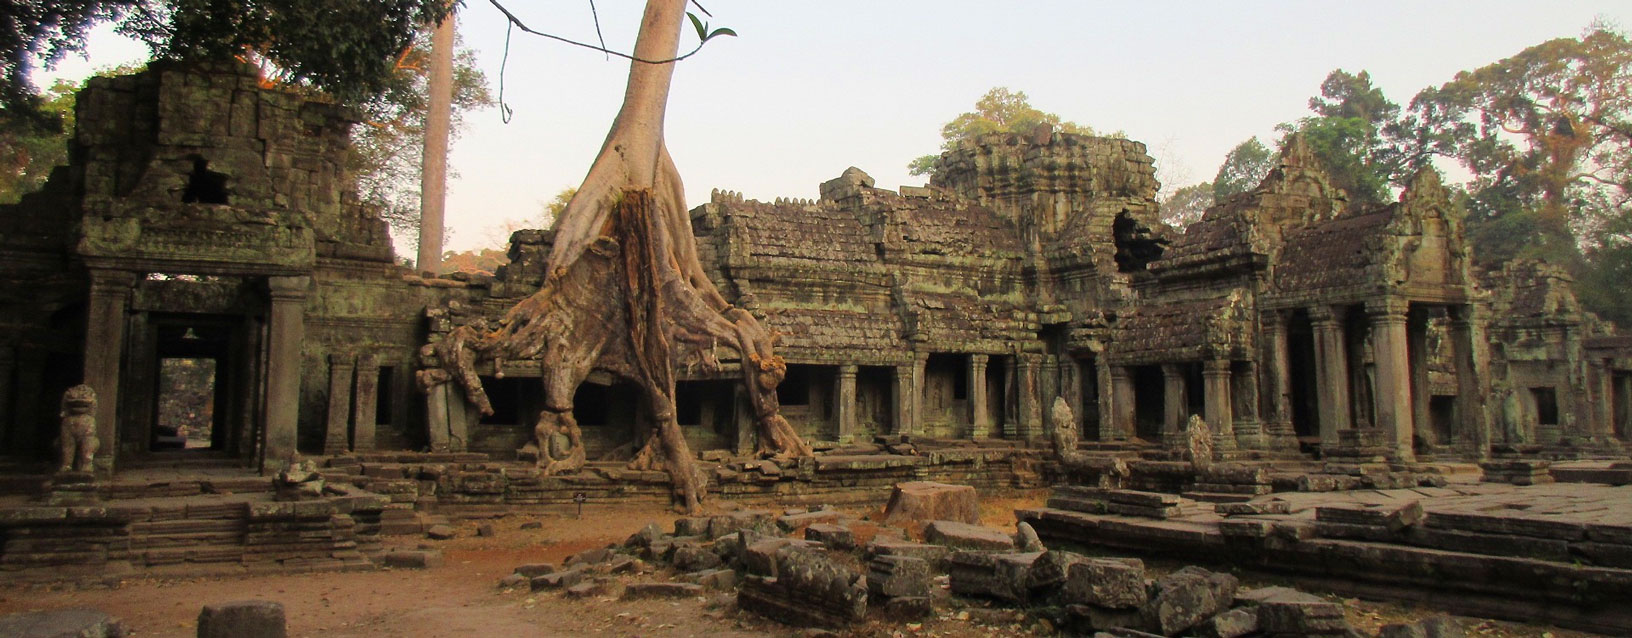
[194,373]
[1300,350]
[204,186]
[1546,405]
[1088,412]
[1149,402]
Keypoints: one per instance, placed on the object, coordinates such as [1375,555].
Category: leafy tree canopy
[1243,168]
[1350,133]
[345,49]
[999,111]
[1187,204]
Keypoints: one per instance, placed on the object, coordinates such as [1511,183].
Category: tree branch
[520,25]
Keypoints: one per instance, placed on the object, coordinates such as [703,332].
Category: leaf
[702,29]
[722,31]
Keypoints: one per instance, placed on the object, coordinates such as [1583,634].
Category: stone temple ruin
[208,223]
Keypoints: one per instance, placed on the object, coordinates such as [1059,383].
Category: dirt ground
[461,598]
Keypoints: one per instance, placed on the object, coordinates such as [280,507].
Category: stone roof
[1335,253]
[1185,330]
[801,230]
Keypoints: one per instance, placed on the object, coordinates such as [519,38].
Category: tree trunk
[433,178]
[626,293]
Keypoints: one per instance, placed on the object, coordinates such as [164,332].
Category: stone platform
[1558,553]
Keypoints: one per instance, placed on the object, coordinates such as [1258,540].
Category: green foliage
[1243,168]
[345,49]
[28,153]
[1351,135]
[1186,205]
[552,209]
[999,111]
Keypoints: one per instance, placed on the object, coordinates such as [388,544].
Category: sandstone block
[662,590]
[1186,598]
[831,536]
[242,619]
[1107,583]
[63,623]
[414,559]
[898,576]
[930,501]
[966,536]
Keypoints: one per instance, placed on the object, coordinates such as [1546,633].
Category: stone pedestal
[71,488]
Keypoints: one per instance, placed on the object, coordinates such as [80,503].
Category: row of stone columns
[907,397]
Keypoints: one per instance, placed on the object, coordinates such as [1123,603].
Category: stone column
[1011,397]
[1394,415]
[1248,424]
[336,438]
[919,361]
[436,416]
[104,349]
[1602,428]
[844,406]
[1108,403]
[1471,356]
[1071,389]
[8,416]
[980,415]
[1175,403]
[364,403]
[286,331]
[1124,411]
[1416,332]
[1623,408]
[1030,415]
[1331,373]
[1277,390]
[901,392]
[1216,397]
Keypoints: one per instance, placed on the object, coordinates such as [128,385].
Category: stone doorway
[1300,347]
[194,381]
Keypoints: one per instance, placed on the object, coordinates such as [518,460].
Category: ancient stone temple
[206,229]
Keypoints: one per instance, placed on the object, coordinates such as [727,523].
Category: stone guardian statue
[78,437]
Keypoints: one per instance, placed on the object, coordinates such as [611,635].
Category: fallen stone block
[898,576]
[966,536]
[532,570]
[809,589]
[797,521]
[1124,632]
[588,557]
[691,558]
[243,619]
[513,581]
[930,501]
[831,536]
[440,532]
[1003,576]
[644,537]
[696,526]
[935,555]
[62,623]
[728,524]
[1186,598]
[587,588]
[414,559]
[1026,539]
[662,590]
[1301,614]
[1107,583]
[715,579]
[485,530]
[1050,570]
[1087,619]
[1241,621]
[557,580]
[1143,499]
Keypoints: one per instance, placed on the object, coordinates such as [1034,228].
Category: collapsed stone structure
[204,216]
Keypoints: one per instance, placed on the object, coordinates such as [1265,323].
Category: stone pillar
[104,349]
[1394,415]
[1623,408]
[901,392]
[1216,397]
[980,414]
[1331,373]
[1028,411]
[919,361]
[742,418]
[1011,397]
[1248,424]
[1071,389]
[1276,371]
[1108,403]
[286,330]
[1602,428]
[1416,332]
[1124,411]
[436,416]
[1175,403]
[1471,357]
[8,416]
[336,438]
[844,406]
[365,401]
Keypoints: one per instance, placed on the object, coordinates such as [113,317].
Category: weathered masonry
[206,240]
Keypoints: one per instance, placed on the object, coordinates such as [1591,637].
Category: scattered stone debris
[63,623]
[242,619]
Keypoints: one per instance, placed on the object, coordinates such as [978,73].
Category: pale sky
[810,88]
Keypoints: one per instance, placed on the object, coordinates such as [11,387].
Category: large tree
[998,111]
[626,294]
[1350,134]
[1243,168]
